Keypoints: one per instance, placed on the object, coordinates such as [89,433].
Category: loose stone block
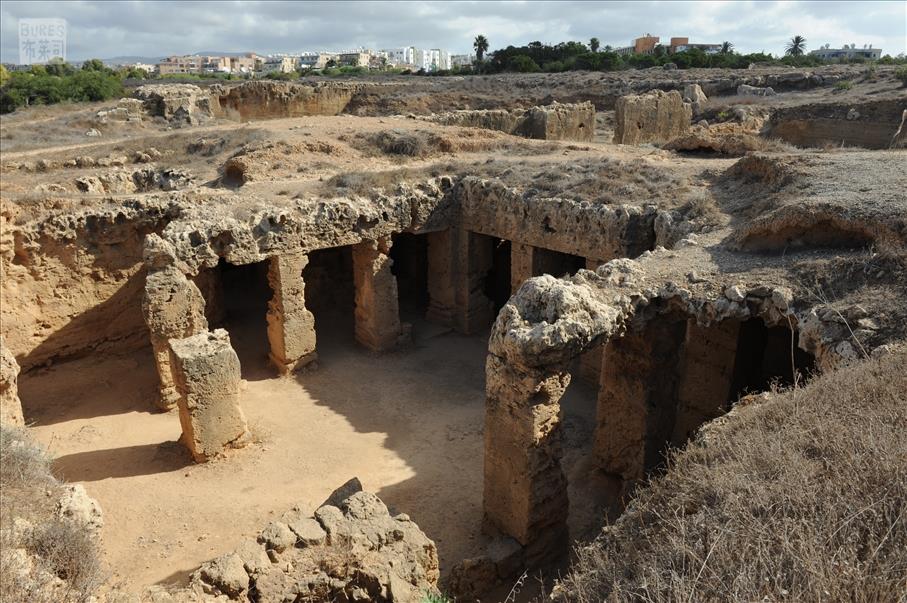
[207,376]
[291,327]
[377,314]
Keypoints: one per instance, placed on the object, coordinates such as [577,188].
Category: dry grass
[802,498]
[65,557]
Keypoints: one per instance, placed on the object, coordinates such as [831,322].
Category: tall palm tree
[796,46]
[727,48]
[481,46]
[594,44]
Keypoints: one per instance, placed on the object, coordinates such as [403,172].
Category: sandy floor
[408,424]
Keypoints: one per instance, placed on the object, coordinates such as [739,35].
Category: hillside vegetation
[800,498]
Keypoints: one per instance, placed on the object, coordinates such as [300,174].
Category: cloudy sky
[110,29]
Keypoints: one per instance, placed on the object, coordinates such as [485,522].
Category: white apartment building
[439,59]
[462,60]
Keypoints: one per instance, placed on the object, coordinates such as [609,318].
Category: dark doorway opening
[497,279]
[767,355]
[409,253]
[244,311]
[555,263]
[330,294]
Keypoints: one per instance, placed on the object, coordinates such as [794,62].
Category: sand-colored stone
[174,309]
[291,327]
[653,117]
[206,375]
[377,314]
[10,405]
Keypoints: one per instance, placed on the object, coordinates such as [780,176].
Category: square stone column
[291,327]
[377,314]
[458,262]
[173,308]
[207,376]
[525,491]
[521,264]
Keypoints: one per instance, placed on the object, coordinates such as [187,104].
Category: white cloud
[107,29]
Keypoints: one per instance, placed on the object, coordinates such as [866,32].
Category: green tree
[481,46]
[796,47]
[94,65]
[727,47]
[522,64]
[4,75]
[594,44]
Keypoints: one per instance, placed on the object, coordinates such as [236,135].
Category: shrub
[398,142]
[57,548]
[901,75]
[843,85]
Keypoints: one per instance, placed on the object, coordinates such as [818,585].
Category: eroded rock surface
[355,551]
[653,117]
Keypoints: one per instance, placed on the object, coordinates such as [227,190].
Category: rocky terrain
[501,301]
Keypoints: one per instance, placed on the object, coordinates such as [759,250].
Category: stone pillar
[441,286]
[590,362]
[291,327]
[525,492]
[173,308]
[637,398]
[707,374]
[521,264]
[377,315]
[458,262]
[10,405]
[207,376]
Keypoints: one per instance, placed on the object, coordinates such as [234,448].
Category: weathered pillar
[377,314]
[521,264]
[291,327]
[458,262]
[637,401]
[10,404]
[590,362]
[525,492]
[707,373]
[173,308]
[441,286]
[207,376]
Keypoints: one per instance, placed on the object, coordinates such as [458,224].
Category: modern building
[174,65]
[358,58]
[683,44]
[644,45]
[647,44]
[400,57]
[848,52]
[316,60]
[283,64]
[462,60]
[439,59]
[247,63]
